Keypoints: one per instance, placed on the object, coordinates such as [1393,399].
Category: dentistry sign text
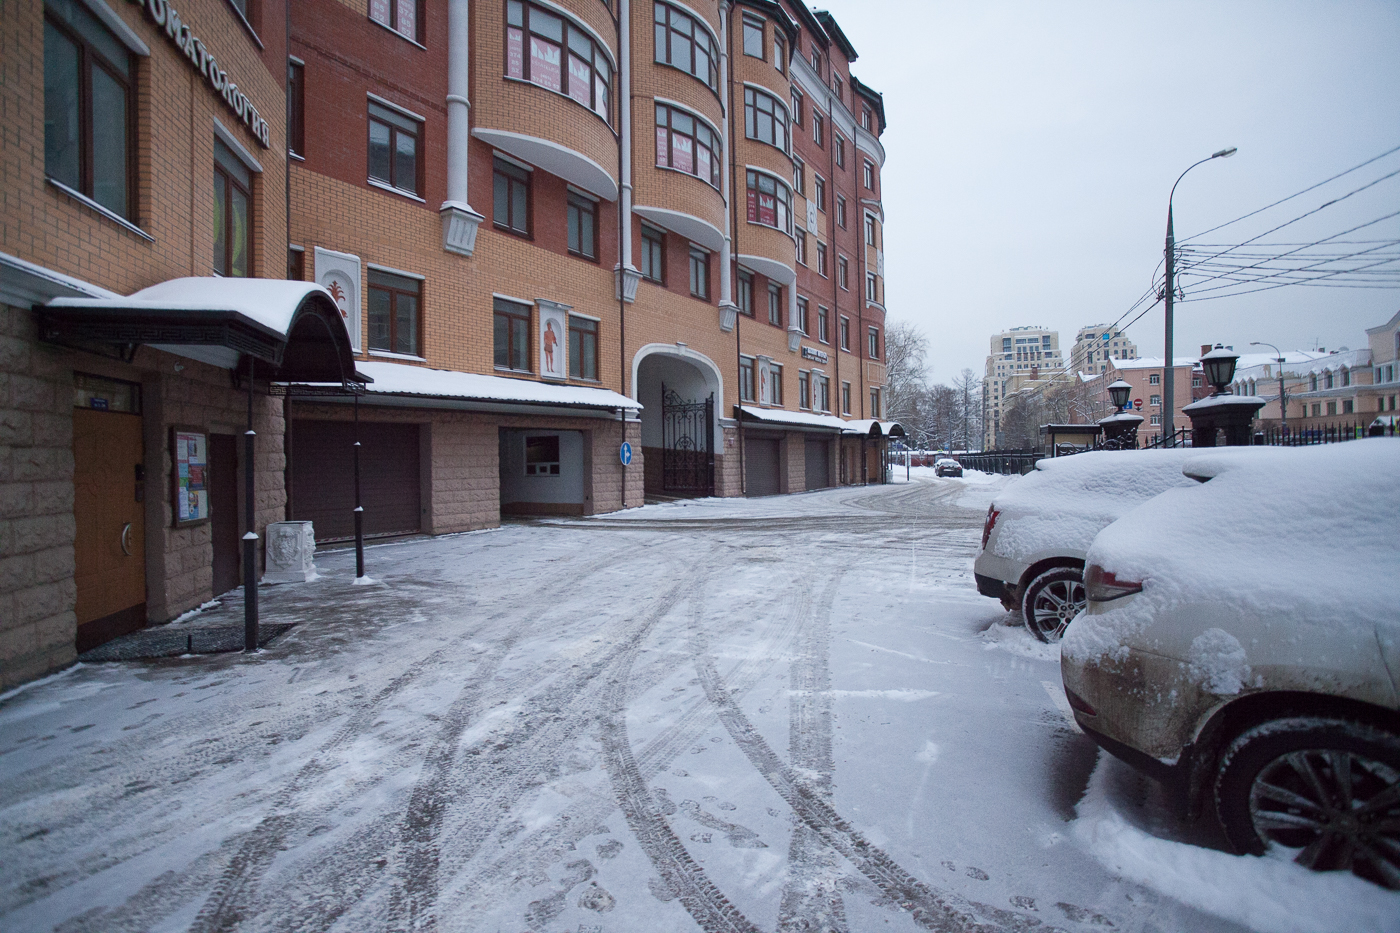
[163,14]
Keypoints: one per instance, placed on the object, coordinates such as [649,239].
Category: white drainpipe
[459,221]
[626,273]
[727,309]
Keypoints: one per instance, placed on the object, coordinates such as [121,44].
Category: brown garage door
[323,478]
[818,463]
[761,467]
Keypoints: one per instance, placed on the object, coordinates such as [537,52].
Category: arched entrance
[681,392]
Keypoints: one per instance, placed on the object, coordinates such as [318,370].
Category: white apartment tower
[1015,359]
[1096,346]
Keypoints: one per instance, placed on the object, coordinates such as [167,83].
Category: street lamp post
[1168,376]
[1282,395]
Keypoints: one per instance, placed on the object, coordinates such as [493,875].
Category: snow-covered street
[790,714]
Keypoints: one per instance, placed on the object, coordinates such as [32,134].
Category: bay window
[687,144]
[587,79]
[753,36]
[765,119]
[682,42]
[769,202]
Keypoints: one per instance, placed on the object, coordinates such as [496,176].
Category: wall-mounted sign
[164,15]
[189,456]
[812,353]
[554,339]
[339,274]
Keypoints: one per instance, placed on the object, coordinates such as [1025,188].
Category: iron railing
[1000,461]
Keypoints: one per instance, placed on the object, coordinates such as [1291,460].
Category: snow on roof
[47,279]
[269,302]
[1202,544]
[1226,401]
[402,379]
[806,419]
[873,426]
[1155,362]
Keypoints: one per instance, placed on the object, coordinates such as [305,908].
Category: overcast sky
[1032,146]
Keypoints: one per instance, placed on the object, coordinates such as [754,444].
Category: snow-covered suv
[1039,529]
[1242,645]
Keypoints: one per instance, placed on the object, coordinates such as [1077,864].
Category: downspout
[626,274]
[459,221]
[729,310]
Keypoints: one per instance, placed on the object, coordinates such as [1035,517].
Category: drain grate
[166,642]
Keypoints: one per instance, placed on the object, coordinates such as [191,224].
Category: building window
[233,214]
[801,236]
[653,255]
[1331,408]
[699,273]
[874,403]
[686,144]
[1196,382]
[394,316]
[869,175]
[802,315]
[1316,409]
[753,36]
[744,292]
[1154,400]
[296,263]
[512,326]
[817,128]
[1154,379]
[845,398]
[583,348]
[775,304]
[816,60]
[804,389]
[799,177]
[841,212]
[775,384]
[588,77]
[843,273]
[821,390]
[402,16]
[872,287]
[840,150]
[822,324]
[819,192]
[88,120]
[836,86]
[393,148]
[779,53]
[797,99]
[296,107]
[845,328]
[765,119]
[873,340]
[683,43]
[746,379]
[865,118]
[583,226]
[512,197]
[769,202]
[821,260]
[870,238]
[1312,383]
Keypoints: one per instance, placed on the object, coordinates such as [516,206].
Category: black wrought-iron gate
[688,444]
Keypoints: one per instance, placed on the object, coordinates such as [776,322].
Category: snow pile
[1065,501]
[1017,639]
[1216,543]
[1269,894]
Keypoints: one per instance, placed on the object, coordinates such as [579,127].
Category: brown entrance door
[223,510]
[110,545]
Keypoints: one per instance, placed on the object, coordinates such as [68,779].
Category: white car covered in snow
[1039,529]
[1242,645]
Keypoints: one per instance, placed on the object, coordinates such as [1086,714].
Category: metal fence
[1275,436]
[1001,461]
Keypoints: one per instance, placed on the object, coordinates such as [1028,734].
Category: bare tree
[969,400]
[906,351]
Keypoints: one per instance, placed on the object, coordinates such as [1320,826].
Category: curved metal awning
[871,427]
[294,327]
[782,418]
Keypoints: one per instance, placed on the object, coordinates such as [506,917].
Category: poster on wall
[189,455]
[765,380]
[339,274]
[554,339]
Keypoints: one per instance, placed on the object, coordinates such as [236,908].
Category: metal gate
[688,444]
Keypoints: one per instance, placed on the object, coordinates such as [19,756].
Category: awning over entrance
[782,418]
[293,326]
[870,427]
[397,379]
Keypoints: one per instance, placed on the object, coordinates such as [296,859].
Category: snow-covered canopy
[800,419]
[405,380]
[873,427]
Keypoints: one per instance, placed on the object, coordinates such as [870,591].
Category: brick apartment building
[517,233]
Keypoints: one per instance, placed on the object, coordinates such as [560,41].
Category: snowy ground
[782,714]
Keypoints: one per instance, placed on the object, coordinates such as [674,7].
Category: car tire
[1325,790]
[1051,600]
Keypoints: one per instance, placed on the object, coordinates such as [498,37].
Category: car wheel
[1325,791]
[1051,600]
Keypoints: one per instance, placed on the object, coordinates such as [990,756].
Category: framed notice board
[189,452]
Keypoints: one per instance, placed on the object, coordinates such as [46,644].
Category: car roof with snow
[1297,530]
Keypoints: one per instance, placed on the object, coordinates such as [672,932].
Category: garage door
[761,467]
[323,478]
[818,463]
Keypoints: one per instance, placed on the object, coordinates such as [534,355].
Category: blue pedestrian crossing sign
[624,453]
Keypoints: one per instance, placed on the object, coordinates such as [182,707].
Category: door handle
[126,539]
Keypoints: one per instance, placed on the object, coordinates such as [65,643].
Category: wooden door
[110,545]
[223,510]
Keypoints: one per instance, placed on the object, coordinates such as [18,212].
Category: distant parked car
[1039,529]
[947,466]
[1242,646]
